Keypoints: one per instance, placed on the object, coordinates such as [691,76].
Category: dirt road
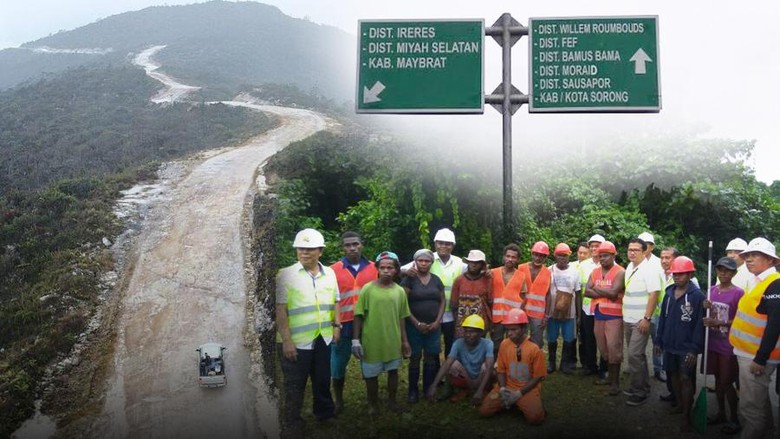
[174,90]
[188,287]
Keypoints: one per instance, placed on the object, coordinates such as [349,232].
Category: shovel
[699,412]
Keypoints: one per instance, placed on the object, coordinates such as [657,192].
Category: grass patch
[575,408]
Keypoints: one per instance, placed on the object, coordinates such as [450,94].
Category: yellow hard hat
[473,321]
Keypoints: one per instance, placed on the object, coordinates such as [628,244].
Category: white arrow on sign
[372,94]
[639,59]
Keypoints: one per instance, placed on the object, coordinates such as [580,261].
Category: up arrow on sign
[593,64]
[639,59]
[372,94]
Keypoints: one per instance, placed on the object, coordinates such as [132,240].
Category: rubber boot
[446,390]
[414,380]
[552,356]
[430,369]
[614,378]
[603,368]
[607,379]
[568,358]
[338,395]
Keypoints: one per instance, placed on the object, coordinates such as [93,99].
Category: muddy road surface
[187,286]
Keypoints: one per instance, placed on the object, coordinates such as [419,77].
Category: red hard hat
[681,264]
[606,247]
[540,247]
[562,249]
[516,316]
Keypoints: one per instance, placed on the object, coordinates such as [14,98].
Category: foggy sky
[718,63]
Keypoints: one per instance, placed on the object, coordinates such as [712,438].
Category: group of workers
[492,323]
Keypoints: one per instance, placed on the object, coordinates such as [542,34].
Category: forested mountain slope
[216,44]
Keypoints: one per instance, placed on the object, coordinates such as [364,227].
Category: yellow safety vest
[748,325]
[447,274]
[310,310]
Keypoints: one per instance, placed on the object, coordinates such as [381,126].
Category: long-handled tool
[699,413]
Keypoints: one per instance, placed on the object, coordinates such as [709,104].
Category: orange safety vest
[349,287]
[506,297]
[748,325]
[537,290]
[605,305]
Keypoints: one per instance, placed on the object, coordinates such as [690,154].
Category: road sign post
[577,65]
[594,64]
[416,66]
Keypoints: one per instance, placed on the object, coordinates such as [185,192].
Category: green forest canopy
[397,196]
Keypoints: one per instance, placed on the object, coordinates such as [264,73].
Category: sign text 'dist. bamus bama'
[594,64]
[420,66]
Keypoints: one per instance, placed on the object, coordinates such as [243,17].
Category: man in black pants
[587,348]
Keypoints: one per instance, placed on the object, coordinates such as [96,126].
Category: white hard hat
[596,238]
[737,244]
[646,237]
[761,245]
[475,256]
[309,238]
[445,235]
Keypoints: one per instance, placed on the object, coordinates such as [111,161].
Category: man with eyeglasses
[639,302]
[754,335]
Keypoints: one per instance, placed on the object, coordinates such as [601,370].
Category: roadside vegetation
[68,146]
[398,195]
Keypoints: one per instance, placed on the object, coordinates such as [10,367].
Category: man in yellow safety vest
[307,321]
[754,335]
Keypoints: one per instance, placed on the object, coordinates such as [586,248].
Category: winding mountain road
[187,286]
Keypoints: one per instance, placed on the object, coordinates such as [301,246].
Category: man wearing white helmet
[743,279]
[307,321]
[588,348]
[654,260]
[754,335]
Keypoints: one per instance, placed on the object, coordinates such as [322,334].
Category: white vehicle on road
[211,365]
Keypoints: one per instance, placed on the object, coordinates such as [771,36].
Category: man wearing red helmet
[536,301]
[562,310]
[606,287]
[587,338]
[520,371]
[681,334]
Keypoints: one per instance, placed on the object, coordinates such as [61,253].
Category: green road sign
[416,66]
[594,64]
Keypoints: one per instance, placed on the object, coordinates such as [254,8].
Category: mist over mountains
[215,45]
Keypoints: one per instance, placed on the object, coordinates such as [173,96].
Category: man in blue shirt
[469,363]
[681,334]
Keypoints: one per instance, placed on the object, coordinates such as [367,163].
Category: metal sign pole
[507,100]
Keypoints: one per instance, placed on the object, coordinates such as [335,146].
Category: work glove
[357,349]
[505,395]
[509,397]
[514,397]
